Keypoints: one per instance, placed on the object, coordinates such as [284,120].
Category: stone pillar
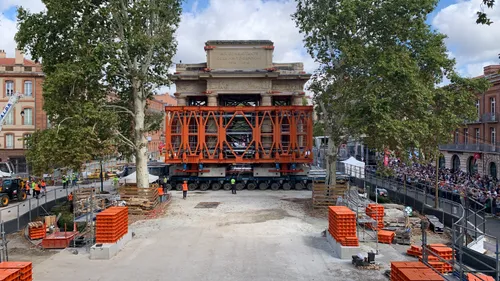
[266,99]
[212,99]
[181,99]
[297,98]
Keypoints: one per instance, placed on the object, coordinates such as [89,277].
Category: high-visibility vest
[33,185]
[160,191]
[70,197]
[37,188]
[184,187]
[233,181]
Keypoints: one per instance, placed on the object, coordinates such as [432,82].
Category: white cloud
[8,27]
[473,45]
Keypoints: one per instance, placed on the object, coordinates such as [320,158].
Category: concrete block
[106,251]
[341,252]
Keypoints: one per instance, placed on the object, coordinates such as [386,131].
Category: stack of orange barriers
[445,253]
[111,224]
[385,236]
[342,225]
[414,251]
[413,271]
[16,270]
[479,277]
[37,231]
[376,212]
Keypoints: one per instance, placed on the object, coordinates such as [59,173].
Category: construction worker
[164,184]
[115,180]
[161,194]
[27,187]
[43,185]
[233,186]
[36,189]
[184,189]
[70,201]
[64,181]
[33,184]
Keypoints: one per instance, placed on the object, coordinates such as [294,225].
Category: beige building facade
[24,76]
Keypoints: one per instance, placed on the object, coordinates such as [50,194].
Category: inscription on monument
[239,84]
[288,86]
[238,58]
[184,86]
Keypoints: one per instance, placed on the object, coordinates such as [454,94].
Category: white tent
[132,179]
[354,168]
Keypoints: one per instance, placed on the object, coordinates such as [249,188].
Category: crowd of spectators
[483,189]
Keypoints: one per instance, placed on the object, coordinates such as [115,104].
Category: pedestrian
[36,190]
[43,184]
[70,201]
[184,189]
[233,186]
[33,184]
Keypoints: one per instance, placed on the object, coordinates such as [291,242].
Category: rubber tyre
[4,200]
[309,186]
[240,186]
[178,187]
[204,186]
[287,186]
[226,186]
[168,187]
[299,186]
[275,186]
[22,196]
[192,186]
[216,186]
[251,186]
[263,186]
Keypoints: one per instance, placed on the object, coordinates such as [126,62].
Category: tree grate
[207,205]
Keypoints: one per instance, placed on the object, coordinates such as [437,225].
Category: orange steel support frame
[273,134]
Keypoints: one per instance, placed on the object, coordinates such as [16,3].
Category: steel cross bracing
[246,134]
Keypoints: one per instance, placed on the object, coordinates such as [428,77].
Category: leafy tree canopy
[482,17]
[102,60]
[379,67]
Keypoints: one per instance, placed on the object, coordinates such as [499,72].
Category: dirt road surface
[254,235]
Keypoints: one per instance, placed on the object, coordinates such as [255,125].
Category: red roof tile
[12,62]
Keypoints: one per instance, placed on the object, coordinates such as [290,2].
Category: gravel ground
[254,235]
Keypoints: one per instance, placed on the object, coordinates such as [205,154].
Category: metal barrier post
[18,226]
[29,200]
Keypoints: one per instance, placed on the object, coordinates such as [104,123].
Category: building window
[466,136]
[28,116]
[9,141]
[456,136]
[493,136]
[492,105]
[477,136]
[9,119]
[9,88]
[25,143]
[9,68]
[28,89]
[28,68]
[478,109]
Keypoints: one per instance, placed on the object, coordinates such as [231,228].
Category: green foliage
[482,17]
[379,66]
[318,129]
[102,60]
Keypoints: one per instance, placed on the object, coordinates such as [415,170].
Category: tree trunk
[331,163]
[141,143]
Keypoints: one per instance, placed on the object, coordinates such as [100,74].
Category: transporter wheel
[299,186]
[178,187]
[251,186]
[226,186]
[4,200]
[309,186]
[168,187]
[204,186]
[263,186]
[216,186]
[240,186]
[275,186]
[192,186]
[287,186]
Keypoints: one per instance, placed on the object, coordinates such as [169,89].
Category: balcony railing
[488,148]
[490,117]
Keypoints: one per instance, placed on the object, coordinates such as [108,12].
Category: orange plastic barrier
[479,277]
[413,271]
[111,224]
[16,270]
[37,232]
[385,236]
[342,225]
[414,251]
[376,212]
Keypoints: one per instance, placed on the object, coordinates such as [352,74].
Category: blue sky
[471,45]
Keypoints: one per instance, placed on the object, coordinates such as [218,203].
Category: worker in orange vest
[70,200]
[184,189]
[161,194]
[36,189]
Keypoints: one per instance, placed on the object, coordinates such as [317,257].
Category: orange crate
[10,274]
